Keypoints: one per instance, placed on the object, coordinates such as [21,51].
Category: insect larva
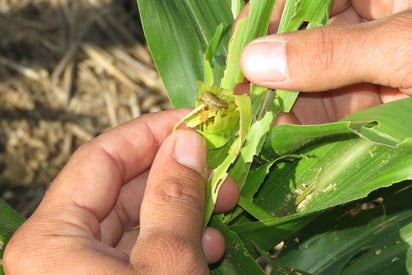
[213,101]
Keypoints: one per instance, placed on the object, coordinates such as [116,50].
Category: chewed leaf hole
[371,124]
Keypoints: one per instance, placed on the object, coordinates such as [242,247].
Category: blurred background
[69,70]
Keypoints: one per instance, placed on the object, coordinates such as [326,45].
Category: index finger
[89,185]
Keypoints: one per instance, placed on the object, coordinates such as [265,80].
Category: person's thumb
[329,57]
[173,207]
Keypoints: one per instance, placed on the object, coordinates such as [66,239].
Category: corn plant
[301,185]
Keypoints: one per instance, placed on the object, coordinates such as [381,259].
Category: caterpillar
[213,101]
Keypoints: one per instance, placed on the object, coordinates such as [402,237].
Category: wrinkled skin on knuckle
[326,43]
[317,53]
[391,56]
[332,50]
[402,52]
[182,188]
[405,77]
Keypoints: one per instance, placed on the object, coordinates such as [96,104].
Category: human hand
[136,174]
[362,59]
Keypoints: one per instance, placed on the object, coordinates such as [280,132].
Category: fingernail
[190,151]
[264,61]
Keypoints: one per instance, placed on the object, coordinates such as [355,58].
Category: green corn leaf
[286,138]
[279,268]
[255,138]
[298,12]
[237,6]
[345,168]
[178,33]
[339,167]
[238,259]
[268,232]
[349,240]
[389,123]
[210,68]
[220,173]
[255,25]
[406,235]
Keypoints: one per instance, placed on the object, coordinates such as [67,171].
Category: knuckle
[325,56]
[320,51]
[405,76]
[399,36]
[182,188]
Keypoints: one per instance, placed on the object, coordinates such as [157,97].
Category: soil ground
[69,70]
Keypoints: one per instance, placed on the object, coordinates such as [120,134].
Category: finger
[334,56]
[87,188]
[325,107]
[339,6]
[228,196]
[173,207]
[374,9]
[389,94]
[126,243]
[286,118]
[126,211]
[349,16]
[176,185]
[213,245]
[276,16]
